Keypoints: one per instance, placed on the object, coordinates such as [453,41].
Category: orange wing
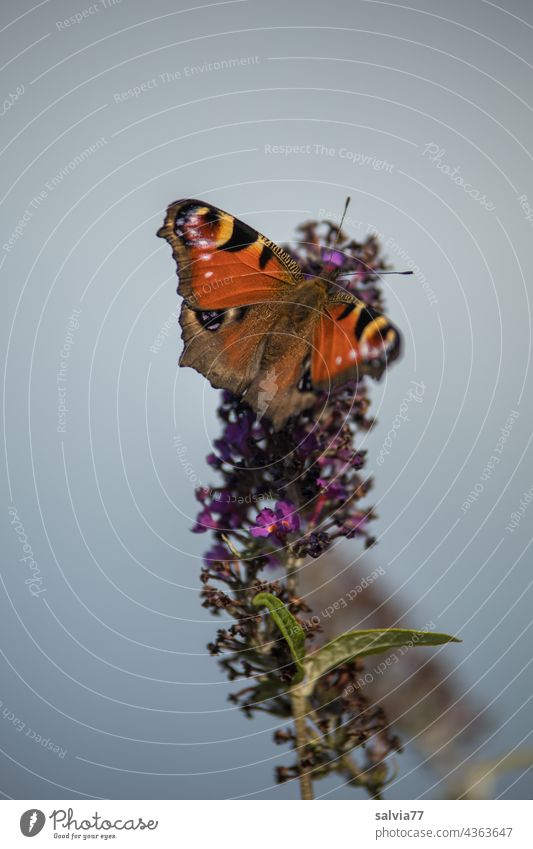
[223,262]
[352,339]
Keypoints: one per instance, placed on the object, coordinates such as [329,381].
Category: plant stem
[359,778]
[298,701]
[291,574]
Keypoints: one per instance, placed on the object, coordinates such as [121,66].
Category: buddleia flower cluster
[284,498]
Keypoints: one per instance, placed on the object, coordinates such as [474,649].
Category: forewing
[222,262]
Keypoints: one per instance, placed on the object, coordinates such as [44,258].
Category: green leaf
[293,632]
[362,643]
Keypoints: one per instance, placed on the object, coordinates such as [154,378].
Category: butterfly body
[253,323]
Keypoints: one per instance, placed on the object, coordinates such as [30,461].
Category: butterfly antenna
[343,216]
[334,273]
[375,271]
[368,270]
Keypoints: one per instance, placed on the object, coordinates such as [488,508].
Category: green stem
[354,771]
[291,574]
[298,701]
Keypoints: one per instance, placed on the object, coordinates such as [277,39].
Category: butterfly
[254,324]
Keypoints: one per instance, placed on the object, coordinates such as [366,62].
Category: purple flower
[305,442]
[265,523]
[333,488]
[278,522]
[238,432]
[214,461]
[332,259]
[357,460]
[221,502]
[354,524]
[224,449]
[217,554]
[204,522]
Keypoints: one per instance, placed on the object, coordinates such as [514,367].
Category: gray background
[109,662]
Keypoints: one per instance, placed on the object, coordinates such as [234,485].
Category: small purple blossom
[217,554]
[354,524]
[279,522]
[332,488]
[332,259]
[204,522]
[238,432]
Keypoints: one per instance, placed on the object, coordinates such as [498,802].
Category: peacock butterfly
[254,324]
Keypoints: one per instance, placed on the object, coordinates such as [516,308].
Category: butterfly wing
[351,339]
[236,318]
[223,262]
[226,346]
[247,351]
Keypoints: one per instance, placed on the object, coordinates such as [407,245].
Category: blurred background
[274,112]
